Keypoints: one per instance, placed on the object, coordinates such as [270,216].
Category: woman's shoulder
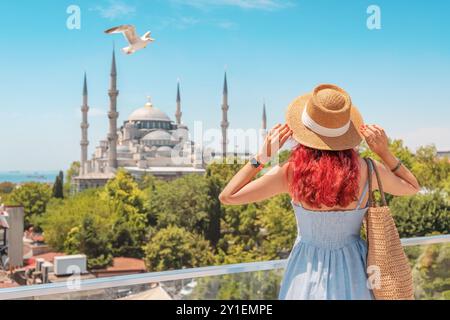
[280,168]
[365,170]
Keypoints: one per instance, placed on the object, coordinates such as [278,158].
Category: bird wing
[127,30]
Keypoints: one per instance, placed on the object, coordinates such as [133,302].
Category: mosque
[148,142]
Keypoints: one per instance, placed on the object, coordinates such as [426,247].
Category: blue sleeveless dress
[328,259]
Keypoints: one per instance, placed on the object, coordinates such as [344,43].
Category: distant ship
[37,177]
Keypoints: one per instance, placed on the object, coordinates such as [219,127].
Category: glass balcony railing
[429,257]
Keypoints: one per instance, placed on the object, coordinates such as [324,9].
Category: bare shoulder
[365,171]
[383,172]
[280,174]
[281,169]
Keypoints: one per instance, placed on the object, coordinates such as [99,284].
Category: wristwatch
[255,163]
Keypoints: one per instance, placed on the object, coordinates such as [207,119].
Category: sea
[28,176]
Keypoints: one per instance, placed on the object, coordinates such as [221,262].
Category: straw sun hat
[325,119]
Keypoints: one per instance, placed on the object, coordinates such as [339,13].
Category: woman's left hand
[274,141]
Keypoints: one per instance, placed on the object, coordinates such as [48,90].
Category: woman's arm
[398,183]
[241,189]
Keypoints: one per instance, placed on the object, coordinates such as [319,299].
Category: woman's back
[327,181]
[328,245]
[331,228]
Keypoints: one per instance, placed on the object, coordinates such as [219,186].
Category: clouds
[115,9]
[182,23]
[267,5]
[227,25]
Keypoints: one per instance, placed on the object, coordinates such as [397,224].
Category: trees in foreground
[180,223]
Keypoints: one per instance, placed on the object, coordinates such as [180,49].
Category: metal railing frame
[172,275]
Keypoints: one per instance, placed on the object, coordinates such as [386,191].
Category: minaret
[178,113]
[84,128]
[225,122]
[113,115]
[264,122]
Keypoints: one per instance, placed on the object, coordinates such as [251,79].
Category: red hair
[322,177]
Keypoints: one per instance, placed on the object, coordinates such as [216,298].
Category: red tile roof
[120,264]
[49,256]
[124,264]
[4,285]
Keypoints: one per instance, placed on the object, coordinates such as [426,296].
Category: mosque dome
[147,113]
[158,135]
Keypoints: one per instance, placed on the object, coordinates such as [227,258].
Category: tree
[123,190]
[183,202]
[6,187]
[421,214]
[397,147]
[148,181]
[217,175]
[432,273]
[58,186]
[72,172]
[126,203]
[87,239]
[34,197]
[128,235]
[174,247]
[243,224]
[62,215]
[431,172]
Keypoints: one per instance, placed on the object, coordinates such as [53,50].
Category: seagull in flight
[135,42]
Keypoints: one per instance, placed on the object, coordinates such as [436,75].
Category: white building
[147,142]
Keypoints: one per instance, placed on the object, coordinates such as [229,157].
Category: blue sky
[398,76]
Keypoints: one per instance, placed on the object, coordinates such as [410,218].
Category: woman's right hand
[274,141]
[376,139]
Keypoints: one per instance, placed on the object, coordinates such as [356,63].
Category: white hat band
[323,131]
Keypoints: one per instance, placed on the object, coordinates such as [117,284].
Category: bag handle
[371,165]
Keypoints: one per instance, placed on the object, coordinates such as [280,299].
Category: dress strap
[366,187]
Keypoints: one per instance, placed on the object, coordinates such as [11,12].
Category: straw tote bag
[388,269]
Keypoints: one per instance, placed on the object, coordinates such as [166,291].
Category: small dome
[158,135]
[148,112]
[165,148]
